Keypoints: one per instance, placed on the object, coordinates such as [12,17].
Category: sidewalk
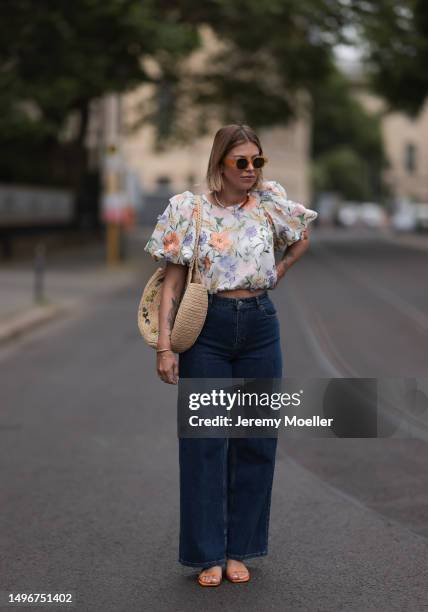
[72,278]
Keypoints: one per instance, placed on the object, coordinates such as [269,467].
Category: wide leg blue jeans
[226,483]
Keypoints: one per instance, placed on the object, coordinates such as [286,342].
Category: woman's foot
[211,576]
[236,571]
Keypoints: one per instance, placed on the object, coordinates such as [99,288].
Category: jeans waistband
[234,303]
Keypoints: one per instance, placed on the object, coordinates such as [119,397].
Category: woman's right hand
[167,367]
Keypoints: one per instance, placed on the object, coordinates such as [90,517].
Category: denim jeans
[226,483]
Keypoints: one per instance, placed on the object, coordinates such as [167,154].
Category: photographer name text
[287,421]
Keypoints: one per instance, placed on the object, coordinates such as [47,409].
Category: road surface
[88,454]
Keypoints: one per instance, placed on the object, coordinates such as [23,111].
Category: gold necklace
[239,204]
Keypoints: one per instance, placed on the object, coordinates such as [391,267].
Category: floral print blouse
[236,244]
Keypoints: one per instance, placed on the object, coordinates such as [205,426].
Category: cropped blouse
[236,244]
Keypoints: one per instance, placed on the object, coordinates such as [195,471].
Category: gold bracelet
[162,350]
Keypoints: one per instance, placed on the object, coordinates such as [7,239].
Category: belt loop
[257,300]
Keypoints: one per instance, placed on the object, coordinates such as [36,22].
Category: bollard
[39,272]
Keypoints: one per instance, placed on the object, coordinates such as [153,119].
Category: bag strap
[198,231]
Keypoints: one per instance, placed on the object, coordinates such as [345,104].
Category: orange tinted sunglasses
[242,162]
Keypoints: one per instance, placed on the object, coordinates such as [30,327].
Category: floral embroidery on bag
[145,314]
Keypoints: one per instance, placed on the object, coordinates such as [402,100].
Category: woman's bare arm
[292,255]
[172,290]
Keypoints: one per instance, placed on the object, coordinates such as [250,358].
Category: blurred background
[107,108]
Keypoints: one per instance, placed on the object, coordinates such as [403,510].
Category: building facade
[406,148]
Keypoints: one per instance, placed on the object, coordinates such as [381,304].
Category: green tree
[58,56]
[347,142]
[395,44]
[344,171]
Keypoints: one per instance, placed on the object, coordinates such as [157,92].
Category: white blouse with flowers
[236,244]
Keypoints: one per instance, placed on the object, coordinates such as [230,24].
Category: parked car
[373,215]
[421,215]
[364,214]
[348,214]
[404,218]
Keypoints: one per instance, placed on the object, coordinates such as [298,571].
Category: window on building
[163,181]
[163,184]
[410,157]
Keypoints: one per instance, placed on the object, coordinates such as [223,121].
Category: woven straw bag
[193,307]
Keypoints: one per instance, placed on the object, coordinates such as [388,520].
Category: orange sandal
[210,582]
[236,576]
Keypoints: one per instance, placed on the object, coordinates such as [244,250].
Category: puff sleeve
[173,238]
[288,218]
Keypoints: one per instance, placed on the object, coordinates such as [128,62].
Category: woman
[225,484]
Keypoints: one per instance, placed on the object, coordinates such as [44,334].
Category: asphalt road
[88,455]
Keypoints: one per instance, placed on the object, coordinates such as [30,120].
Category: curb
[14,326]
[18,325]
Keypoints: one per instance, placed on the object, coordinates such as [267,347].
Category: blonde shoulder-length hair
[226,139]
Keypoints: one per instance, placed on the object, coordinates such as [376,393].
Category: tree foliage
[62,54]
[395,37]
[58,56]
[347,142]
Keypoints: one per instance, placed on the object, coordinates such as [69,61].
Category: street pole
[113,205]
[39,272]
[113,180]
[113,237]
[120,185]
